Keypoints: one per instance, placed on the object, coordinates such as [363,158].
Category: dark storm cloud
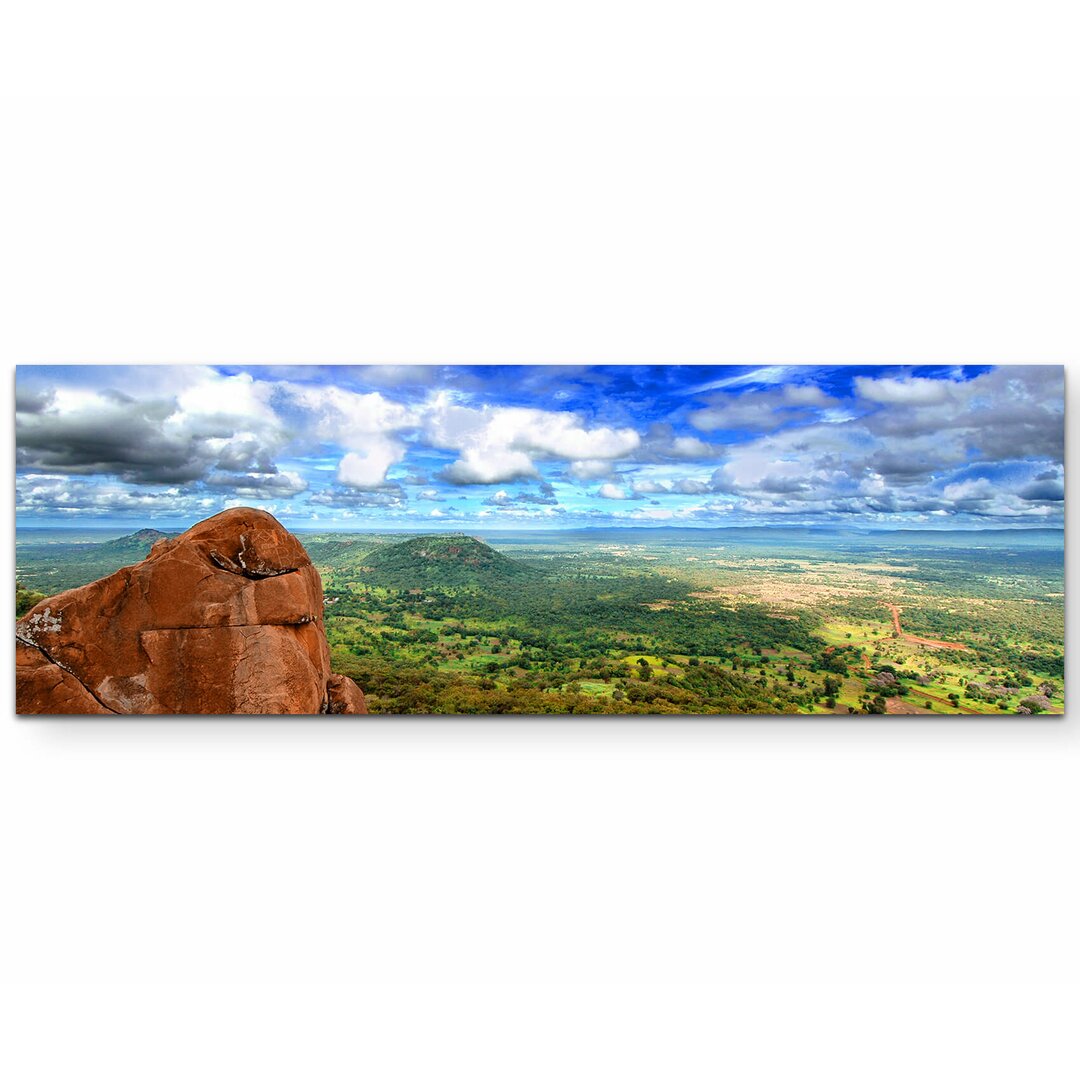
[124,439]
[32,400]
[146,441]
[1043,490]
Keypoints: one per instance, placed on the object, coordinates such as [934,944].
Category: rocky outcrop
[883,680]
[226,618]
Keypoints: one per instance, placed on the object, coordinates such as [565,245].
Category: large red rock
[226,618]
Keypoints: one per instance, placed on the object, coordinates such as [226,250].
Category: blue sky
[504,447]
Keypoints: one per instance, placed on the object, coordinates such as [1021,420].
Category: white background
[562,182]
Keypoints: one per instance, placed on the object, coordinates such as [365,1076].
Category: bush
[1037,702]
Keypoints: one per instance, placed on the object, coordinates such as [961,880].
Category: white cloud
[872,484]
[646,486]
[348,418]
[490,466]
[762,410]
[687,446]
[806,394]
[73,497]
[612,491]
[588,469]
[979,490]
[762,376]
[363,424]
[365,469]
[499,443]
[260,485]
[690,485]
[908,391]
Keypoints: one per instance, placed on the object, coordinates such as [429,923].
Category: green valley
[669,621]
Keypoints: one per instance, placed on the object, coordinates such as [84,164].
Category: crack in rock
[258,569]
[302,620]
[30,643]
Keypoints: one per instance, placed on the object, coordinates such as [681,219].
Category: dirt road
[913,640]
[919,694]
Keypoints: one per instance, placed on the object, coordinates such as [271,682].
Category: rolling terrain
[675,621]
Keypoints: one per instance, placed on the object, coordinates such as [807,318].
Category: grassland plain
[669,621]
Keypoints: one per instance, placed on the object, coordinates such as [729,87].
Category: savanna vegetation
[673,621]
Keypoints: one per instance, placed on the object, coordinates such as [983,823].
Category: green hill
[50,568]
[448,561]
[136,544]
[335,554]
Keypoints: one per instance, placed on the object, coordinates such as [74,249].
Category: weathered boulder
[226,618]
[883,680]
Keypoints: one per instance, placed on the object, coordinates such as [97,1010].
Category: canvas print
[666,540]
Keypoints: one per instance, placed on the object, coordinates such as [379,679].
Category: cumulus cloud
[985,444]
[911,390]
[905,450]
[1045,489]
[1010,412]
[58,496]
[477,466]
[647,486]
[584,471]
[545,496]
[260,485]
[661,443]
[762,410]
[494,444]
[365,468]
[213,422]
[391,496]
[366,425]
[688,485]
[501,443]
[30,400]
[966,494]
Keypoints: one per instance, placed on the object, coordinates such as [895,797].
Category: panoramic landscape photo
[464,539]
